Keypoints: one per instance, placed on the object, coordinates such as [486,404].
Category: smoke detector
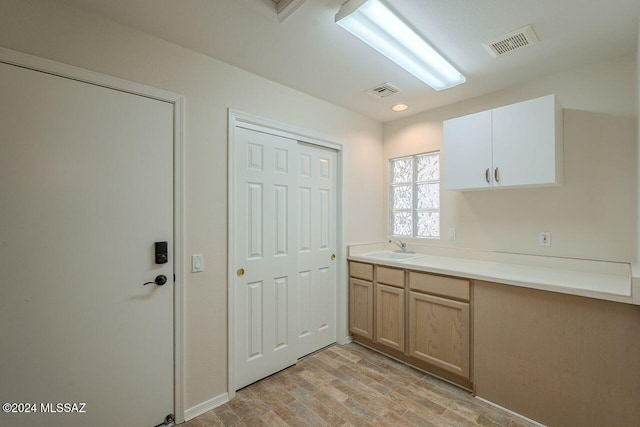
[383,90]
[515,40]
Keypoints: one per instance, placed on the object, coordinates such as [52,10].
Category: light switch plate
[197,263]
[452,234]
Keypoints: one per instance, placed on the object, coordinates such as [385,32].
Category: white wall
[55,31]
[593,214]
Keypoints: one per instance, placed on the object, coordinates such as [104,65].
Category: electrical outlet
[544,238]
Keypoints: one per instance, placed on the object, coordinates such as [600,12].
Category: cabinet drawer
[445,286]
[360,270]
[390,276]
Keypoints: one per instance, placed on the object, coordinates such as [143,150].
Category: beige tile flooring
[353,386]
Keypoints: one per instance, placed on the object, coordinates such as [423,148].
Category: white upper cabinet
[467,152]
[511,146]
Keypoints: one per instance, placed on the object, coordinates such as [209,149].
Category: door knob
[159,280]
[240,272]
[333,256]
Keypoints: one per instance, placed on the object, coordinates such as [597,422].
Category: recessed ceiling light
[399,107]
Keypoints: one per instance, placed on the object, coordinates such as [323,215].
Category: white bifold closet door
[285,241]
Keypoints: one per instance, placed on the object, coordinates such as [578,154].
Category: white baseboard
[635,290]
[511,412]
[205,406]
[346,340]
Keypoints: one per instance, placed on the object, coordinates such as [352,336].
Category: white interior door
[86,181]
[265,240]
[284,235]
[316,248]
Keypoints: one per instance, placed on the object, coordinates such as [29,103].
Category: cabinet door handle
[486,176]
[496,174]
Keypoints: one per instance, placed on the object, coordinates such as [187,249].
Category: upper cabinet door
[527,143]
[467,152]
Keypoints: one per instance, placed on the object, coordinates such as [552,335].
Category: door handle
[159,280]
[486,175]
[496,174]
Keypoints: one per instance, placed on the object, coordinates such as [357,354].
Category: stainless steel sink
[392,255]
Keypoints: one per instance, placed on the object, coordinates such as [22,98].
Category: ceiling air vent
[515,40]
[383,90]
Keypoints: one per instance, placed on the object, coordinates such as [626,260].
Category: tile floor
[353,386]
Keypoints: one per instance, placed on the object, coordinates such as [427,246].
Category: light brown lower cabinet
[361,307]
[389,316]
[562,360]
[439,332]
[419,318]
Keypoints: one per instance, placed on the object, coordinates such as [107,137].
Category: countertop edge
[568,290]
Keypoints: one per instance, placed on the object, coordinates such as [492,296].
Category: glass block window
[415,196]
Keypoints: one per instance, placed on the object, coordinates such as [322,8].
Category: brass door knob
[240,272]
[333,256]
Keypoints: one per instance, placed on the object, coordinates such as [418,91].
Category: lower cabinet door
[390,316]
[361,307]
[439,332]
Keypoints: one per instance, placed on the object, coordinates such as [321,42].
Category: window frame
[414,210]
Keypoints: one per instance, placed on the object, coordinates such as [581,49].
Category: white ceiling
[310,53]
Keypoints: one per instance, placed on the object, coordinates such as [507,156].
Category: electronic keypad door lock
[162,253]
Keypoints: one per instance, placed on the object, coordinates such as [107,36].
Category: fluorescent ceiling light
[376,24]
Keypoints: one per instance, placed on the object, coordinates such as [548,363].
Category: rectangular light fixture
[373,22]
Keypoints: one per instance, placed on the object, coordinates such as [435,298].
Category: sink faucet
[400,244]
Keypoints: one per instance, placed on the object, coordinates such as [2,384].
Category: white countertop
[595,279]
